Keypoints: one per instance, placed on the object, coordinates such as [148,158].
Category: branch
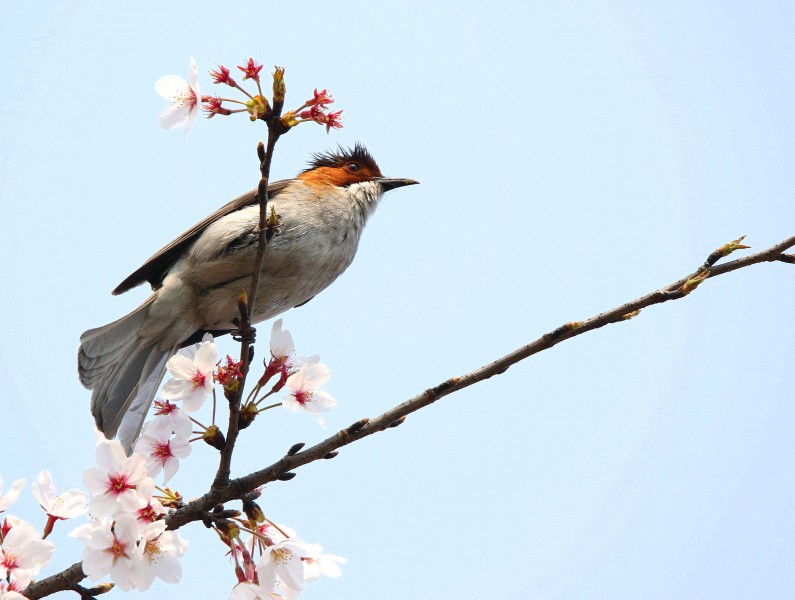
[249,306]
[281,470]
[65,580]
[294,458]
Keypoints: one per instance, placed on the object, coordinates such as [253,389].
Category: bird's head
[346,167]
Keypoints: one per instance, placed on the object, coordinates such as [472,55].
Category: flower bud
[252,510]
[213,436]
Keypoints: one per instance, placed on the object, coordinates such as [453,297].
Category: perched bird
[197,278]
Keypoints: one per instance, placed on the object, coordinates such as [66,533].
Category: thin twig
[246,316]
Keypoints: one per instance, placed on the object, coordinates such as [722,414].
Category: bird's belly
[295,268]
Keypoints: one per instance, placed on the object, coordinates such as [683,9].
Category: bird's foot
[243,334]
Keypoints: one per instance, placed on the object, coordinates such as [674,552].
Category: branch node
[286,476]
[295,448]
[330,455]
[723,251]
[692,283]
[397,422]
[444,387]
[356,427]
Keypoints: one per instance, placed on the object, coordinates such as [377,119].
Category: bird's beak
[391,184]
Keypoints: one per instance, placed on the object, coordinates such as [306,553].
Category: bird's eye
[352,167]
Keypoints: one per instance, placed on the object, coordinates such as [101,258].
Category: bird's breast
[317,241]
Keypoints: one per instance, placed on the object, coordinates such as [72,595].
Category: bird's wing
[154,270]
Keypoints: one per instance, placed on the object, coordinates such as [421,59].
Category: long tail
[124,371]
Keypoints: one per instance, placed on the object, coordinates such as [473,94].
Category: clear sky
[572,156]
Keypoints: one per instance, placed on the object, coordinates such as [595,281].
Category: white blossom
[248,590]
[119,484]
[316,563]
[191,378]
[282,560]
[185,97]
[23,553]
[303,393]
[282,347]
[64,506]
[162,451]
[157,555]
[109,549]
[7,499]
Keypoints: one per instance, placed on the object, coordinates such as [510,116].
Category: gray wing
[154,270]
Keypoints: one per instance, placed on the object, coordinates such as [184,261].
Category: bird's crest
[341,156]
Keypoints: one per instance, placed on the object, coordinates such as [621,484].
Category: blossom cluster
[274,563]
[186,99]
[126,538]
[23,551]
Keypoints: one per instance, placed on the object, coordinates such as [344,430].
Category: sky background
[572,156]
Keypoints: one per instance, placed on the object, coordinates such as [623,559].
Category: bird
[197,278]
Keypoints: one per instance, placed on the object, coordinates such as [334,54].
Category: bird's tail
[124,370]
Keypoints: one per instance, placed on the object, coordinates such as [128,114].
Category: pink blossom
[251,69]
[10,591]
[303,392]
[23,554]
[119,484]
[334,120]
[161,451]
[191,378]
[109,549]
[179,419]
[222,76]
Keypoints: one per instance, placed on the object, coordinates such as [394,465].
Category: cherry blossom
[222,76]
[192,378]
[179,419]
[109,549]
[283,359]
[251,70]
[157,556]
[9,591]
[316,563]
[119,484]
[185,98]
[9,498]
[334,120]
[282,560]
[23,553]
[58,507]
[64,506]
[248,590]
[281,344]
[150,513]
[304,394]
[161,451]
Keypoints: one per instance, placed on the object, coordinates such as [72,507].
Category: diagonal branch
[393,417]
[282,469]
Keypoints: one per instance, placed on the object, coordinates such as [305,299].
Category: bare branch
[65,580]
[275,130]
[393,417]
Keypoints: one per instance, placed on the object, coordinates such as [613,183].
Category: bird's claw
[249,336]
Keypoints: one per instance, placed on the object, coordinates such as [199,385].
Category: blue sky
[572,156]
